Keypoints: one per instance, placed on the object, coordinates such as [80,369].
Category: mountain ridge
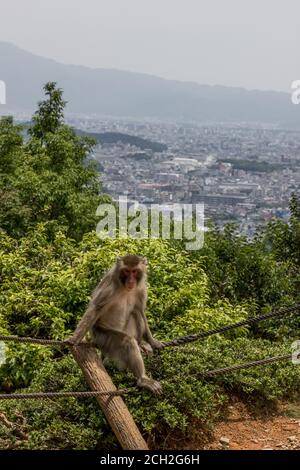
[120,93]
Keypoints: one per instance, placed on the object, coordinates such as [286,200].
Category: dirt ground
[245,429]
[279,430]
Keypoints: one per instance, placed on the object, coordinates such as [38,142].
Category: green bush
[45,288]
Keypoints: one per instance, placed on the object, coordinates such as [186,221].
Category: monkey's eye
[126,272]
[134,271]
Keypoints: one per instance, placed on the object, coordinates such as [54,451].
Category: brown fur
[116,319]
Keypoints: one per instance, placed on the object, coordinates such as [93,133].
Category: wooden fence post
[113,407]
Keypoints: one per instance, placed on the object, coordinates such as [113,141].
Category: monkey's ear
[145,261]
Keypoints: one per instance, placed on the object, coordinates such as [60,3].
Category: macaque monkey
[116,319]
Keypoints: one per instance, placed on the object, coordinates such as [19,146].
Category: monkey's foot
[151,385]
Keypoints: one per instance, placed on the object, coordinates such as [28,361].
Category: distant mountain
[126,94]
[115,137]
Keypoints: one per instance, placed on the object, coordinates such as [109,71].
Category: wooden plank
[114,408]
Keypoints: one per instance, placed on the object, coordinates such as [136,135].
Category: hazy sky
[249,43]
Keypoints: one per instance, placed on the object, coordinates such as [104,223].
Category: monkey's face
[132,271]
[130,277]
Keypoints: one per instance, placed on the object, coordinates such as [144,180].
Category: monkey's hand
[156,344]
[72,341]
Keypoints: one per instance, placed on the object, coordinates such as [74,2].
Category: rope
[173,342]
[222,329]
[45,342]
[27,339]
[247,365]
[47,395]
[112,393]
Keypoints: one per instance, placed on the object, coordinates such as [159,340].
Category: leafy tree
[50,114]
[243,270]
[10,146]
[13,214]
[50,177]
[282,241]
